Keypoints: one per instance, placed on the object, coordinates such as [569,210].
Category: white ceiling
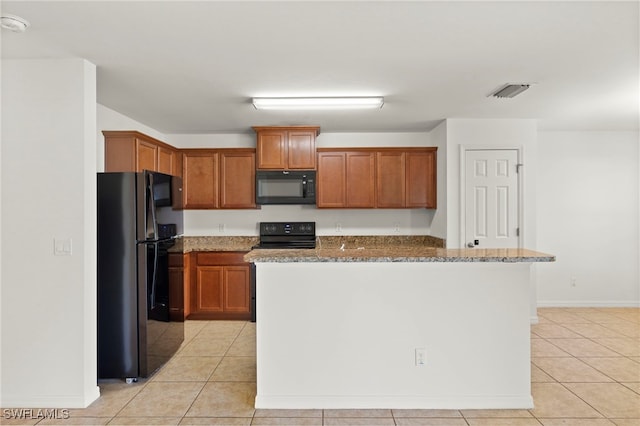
[192,67]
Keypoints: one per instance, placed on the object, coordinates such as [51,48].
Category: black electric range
[287,235]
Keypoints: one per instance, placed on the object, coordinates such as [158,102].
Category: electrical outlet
[396,227]
[62,246]
[221,227]
[338,227]
[573,281]
[421,357]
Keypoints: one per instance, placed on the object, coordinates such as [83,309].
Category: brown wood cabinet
[132,151]
[286,148]
[177,289]
[390,179]
[200,178]
[346,179]
[237,179]
[406,178]
[220,286]
[376,178]
[420,172]
[219,178]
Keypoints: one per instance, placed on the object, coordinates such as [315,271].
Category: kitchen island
[399,327]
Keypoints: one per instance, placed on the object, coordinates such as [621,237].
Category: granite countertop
[407,248]
[398,254]
[188,244]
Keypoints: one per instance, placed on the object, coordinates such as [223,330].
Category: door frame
[463,188]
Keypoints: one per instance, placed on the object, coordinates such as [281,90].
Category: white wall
[48,191]
[471,319]
[518,133]
[588,217]
[109,119]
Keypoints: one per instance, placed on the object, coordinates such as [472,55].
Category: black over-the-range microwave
[285,186]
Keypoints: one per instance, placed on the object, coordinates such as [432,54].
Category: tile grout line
[548,340]
[212,373]
[563,383]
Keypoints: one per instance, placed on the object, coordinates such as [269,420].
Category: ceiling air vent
[509,90]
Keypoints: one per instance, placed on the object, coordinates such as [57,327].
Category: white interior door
[491,198]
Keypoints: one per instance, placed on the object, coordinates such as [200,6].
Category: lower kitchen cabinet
[177,290]
[220,286]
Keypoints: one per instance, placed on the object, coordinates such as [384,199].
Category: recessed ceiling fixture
[510,90]
[14,23]
[319,103]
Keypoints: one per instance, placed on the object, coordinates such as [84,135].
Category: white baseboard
[588,304]
[460,402]
[68,401]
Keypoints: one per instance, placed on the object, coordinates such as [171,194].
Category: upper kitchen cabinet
[346,179]
[420,172]
[406,178]
[391,182]
[237,179]
[376,178]
[132,151]
[200,178]
[286,148]
[219,178]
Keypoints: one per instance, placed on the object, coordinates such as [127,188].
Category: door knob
[470,245]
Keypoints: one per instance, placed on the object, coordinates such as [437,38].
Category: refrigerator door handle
[154,276]
[151,225]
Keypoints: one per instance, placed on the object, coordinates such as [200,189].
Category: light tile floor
[585,372]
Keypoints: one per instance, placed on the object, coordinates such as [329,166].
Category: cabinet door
[331,180]
[272,149]
[390,179]
[361,187]
[237,180]
[209,289]
[420,169]
[236,289]
[200,180]
[432,179]
[176,287]
[166,160]
[301,150]
[119,152]
[146,156]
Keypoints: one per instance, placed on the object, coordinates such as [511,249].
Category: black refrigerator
[139,218]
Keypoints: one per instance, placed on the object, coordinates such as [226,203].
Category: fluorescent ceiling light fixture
[319,103]
[510,90]
[14,23]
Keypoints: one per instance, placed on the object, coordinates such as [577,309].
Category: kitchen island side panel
[344,335]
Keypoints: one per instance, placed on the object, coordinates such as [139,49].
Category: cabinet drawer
[220,258]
